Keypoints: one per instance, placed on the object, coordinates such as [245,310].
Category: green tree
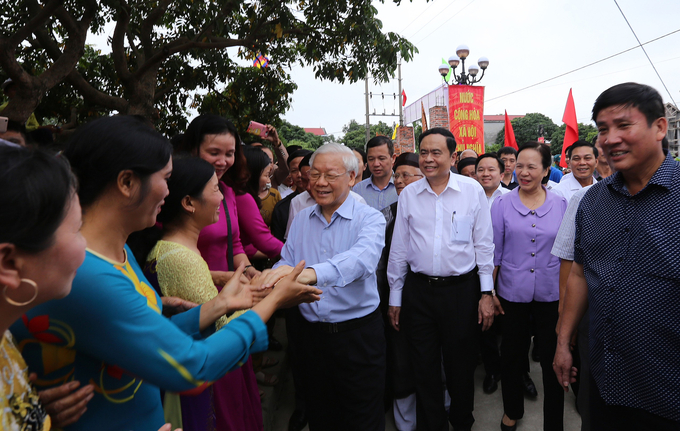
[251,95]
[291,134]
[493,148]
[355,133]
[163,51]
[526,128]
[586,132]
[417,131]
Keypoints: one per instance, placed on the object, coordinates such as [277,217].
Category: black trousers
[345,376]
[440,322]
[604,417]
[491,356]
[294,329]
[514,347]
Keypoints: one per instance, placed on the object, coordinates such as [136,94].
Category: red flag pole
[509,133]
[571,132]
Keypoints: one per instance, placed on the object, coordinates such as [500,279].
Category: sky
[526,41]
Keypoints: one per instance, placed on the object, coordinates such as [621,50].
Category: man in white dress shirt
[440,264]
[583,161]
[489,169]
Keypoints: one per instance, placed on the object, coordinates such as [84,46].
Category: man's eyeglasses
[330,178]
[406,176]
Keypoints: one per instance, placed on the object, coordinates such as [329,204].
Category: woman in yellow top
[174,265]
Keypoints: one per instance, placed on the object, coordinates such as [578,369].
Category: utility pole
[401,97]
[368,124]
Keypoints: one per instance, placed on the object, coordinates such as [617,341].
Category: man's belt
[440,281]
[347,325]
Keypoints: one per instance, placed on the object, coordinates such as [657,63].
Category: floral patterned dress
[20,409]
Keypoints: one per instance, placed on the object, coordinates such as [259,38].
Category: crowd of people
[139,278]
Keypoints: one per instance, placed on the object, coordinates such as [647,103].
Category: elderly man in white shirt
[440,275]
[583,161]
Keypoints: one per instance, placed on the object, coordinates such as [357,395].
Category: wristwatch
[491,293]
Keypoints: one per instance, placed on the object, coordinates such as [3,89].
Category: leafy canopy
[163,52]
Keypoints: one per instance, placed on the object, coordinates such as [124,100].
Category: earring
[193,210]
[21,304]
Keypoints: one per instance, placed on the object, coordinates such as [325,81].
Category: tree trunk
[26,99]
[142,96]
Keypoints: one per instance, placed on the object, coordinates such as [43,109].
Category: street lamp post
[469,78]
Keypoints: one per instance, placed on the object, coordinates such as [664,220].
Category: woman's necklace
[536,201]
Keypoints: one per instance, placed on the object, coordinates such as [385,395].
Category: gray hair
[348,157]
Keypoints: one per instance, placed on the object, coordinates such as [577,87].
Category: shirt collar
[370,183]
[573,183]
[498,191]
[452,184]
[663,177]
[346,210]
[540,211]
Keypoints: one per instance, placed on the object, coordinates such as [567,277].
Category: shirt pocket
[461,229]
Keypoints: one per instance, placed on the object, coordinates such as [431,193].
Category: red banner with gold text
[466,117]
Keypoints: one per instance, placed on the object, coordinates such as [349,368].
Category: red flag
[423,117]
[571,133]
[403,100]
[509,133]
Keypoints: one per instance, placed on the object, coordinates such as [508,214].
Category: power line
[432,19]
[588,65]
[415,19]
[446,22]
[645,51]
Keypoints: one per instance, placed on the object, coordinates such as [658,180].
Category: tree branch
[133,47]
[95,96]
[35,22]
[73,51]
[118,45]
[185,44]
[147,26]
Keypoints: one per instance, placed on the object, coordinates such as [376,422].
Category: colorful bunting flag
[260,61]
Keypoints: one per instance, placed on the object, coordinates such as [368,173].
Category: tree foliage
[163,51]
[526,128]
[291,134]
[251,95]
[355,133]
[586,132]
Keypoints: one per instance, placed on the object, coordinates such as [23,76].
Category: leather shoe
[508,427]
[529,386]
[462,428]
[298,420]
[490,383]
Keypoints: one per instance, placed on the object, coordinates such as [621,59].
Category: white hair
[348,157]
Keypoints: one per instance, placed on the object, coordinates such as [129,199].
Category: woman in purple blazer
[525,223]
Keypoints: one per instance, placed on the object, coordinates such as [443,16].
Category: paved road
[488,408]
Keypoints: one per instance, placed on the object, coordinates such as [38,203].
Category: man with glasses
[306,199]
[342,339]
